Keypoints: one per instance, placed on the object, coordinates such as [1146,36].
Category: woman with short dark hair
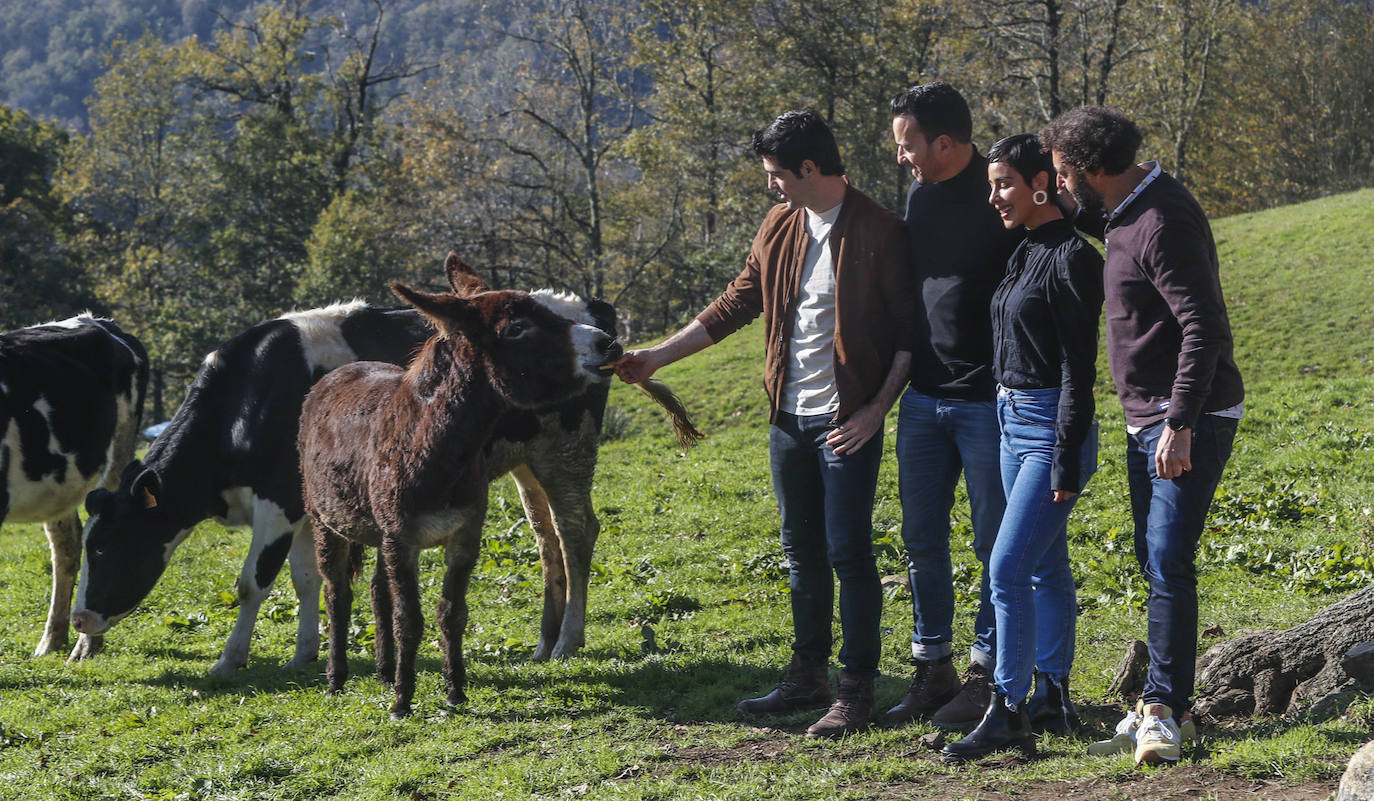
[1044,320]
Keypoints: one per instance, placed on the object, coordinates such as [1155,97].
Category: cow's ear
[447,313]
[464,281]
[96,500]
[145,489]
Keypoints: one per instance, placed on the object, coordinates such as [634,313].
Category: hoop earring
[1040,197]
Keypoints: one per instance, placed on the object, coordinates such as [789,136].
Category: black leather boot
[805,685]
[934,684]
[1001,728]
[1050,708]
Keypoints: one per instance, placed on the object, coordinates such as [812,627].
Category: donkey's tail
[687,432]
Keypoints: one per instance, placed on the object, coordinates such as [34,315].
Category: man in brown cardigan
[828,270]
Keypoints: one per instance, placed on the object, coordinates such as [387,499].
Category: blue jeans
[1032,583]
[1169,515]
[936,440]
[826,503]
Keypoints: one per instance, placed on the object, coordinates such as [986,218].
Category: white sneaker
[1158,738]
[1124,740]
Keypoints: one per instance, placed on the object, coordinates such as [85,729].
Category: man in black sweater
[1171,352]
[947,423]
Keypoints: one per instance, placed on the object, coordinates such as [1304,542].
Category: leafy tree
[38,279]
[848,59]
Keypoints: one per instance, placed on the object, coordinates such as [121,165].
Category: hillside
[1299,284]
[689,611]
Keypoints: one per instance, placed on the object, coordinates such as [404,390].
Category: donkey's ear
[444,311]
[464,281]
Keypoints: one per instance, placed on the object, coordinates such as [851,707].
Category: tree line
[290,159]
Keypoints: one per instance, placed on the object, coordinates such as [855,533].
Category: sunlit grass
[689,608]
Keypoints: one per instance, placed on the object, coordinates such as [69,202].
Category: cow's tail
[687,432]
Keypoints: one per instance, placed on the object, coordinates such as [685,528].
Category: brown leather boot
[852,711]
[804,686]
[933,686]
[966,708]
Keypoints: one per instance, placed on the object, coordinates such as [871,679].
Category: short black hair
[1025,155]
[798,136]
[938,109]
[1091,138]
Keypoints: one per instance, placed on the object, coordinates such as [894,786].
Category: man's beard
[1089,200]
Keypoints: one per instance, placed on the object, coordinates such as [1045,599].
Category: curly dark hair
[797,136]
[1093,138]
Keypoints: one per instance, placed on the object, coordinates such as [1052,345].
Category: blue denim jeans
[826,503]
[1032,583]
[1169,515]
[937,440]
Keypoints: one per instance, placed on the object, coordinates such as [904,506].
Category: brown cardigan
[874,286]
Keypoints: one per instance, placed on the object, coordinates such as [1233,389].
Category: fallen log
[1298,670]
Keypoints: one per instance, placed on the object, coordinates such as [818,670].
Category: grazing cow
[71,401]
[230,453]
[396,459]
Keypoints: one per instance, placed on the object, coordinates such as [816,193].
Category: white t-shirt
[809,387]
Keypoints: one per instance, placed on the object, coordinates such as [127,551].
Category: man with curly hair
[1172,358]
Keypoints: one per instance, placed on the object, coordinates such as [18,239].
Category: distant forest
[192,167]
[54,51]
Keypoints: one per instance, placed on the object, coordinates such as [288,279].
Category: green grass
[689,549]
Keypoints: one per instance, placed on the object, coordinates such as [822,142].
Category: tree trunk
[1286,672]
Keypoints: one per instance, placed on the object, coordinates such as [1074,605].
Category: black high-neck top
[959,247]
[1044,322]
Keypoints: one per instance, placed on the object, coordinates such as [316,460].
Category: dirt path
[1175,784]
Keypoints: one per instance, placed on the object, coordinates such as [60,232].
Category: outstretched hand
[634,366]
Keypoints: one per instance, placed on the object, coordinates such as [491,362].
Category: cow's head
[129,538]
[533,355]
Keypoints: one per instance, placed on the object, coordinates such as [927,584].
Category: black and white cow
[71,399]
[230,453]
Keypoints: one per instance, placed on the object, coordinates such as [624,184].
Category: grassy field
[689,610]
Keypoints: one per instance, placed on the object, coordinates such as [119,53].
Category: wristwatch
[1175,424]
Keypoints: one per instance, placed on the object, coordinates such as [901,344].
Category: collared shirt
[1154,173]
[1168,336]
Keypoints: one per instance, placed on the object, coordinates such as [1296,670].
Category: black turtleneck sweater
[960,249]
[1044,323]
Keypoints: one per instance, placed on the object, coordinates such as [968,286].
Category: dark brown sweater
[1168,336]
[873,295]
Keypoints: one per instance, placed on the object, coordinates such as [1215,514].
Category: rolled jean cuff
[930,653]
[977,656]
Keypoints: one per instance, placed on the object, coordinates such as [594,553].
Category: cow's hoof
[543,652]
[50,644]
[400,712]
[225,668]
[86,647]
[302,660]
[565,650]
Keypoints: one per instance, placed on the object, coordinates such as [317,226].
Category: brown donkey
[396,458]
